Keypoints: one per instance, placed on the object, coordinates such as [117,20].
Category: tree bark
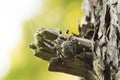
[94,52]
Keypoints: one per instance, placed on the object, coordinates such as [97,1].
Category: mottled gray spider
[61,44]
[65,47]
[57,43]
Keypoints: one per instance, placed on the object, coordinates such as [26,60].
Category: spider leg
[60,32]
[60,57]
[67,31]
[48,45]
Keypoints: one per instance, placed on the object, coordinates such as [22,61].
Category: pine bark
[95,51]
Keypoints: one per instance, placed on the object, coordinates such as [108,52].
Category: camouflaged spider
[58,42]
[62,44]
[65,46]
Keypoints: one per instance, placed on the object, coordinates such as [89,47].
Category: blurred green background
[61,14]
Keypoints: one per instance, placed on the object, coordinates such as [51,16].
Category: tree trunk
[93,53]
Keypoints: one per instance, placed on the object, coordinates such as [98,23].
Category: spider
[62,44]
[65,46]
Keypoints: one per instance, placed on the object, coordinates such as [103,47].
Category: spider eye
[67,31]
[62,38]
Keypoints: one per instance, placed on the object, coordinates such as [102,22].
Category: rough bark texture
[94,53]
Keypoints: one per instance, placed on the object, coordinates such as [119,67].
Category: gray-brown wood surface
[94,53]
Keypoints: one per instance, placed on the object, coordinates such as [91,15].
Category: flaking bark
[94,53]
